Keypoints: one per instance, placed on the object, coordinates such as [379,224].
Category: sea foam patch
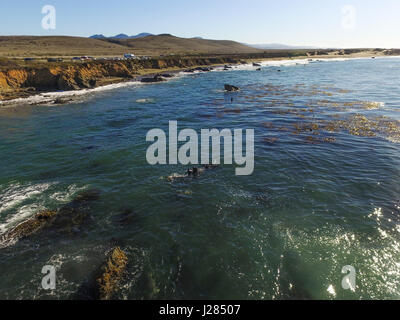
[23,201]
[51,97]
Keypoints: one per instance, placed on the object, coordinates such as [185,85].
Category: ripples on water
[324,194]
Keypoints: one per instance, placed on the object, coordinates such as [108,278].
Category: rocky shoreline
[70,78]
[24,82]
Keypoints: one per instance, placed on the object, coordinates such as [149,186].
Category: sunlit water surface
[324,194]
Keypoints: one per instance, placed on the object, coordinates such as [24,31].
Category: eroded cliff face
[76,76]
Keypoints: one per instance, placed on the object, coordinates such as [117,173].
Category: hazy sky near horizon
[333,23]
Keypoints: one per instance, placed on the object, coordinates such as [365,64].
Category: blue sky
[296,22]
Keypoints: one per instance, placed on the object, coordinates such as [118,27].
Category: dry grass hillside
[29,46]
[63,46]
[168,44]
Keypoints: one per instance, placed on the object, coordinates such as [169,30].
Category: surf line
[188,153]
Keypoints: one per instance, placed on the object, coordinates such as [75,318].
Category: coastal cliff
[24,81]
[20,80]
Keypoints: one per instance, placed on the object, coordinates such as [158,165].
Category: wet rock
[62,100]
[202,69]
[29,227]
[167,75]
[256,64]
[231,88]
[156,78]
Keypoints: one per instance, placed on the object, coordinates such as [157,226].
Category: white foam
[65,196]
[280,63]
[387,57]
[15,195]
[145,100]
[50,97]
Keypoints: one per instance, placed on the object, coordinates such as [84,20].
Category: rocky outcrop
[202,69]
[62,100]
[28,227]
[65,77]
[25,80]
[156,78]
[66,219]
[231,88]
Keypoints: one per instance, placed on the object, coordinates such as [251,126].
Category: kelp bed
[315,114]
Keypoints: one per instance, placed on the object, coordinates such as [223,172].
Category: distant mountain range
[272,46]
[121,36]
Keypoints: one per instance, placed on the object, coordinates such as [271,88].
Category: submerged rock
[29,227]
[126,217]
[231,88]
[76,212]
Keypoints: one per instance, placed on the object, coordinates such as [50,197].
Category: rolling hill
[60,46]
[167,44]
[64,46]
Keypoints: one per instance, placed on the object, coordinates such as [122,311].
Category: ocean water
[324,194]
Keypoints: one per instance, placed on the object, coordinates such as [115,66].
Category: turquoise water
[325,192]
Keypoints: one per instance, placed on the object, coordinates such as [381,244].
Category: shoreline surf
[70,96]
